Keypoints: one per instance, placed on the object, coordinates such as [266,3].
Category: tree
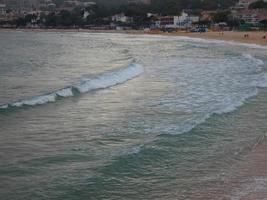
[258,5]
[221,17]
[51,19]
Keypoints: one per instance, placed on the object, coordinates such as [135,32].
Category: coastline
[254,37]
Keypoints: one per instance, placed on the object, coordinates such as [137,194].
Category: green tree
[221,17]
[258,5]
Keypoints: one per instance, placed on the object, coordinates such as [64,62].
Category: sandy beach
[253,37]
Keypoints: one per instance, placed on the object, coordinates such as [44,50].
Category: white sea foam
[66,92]
[4,106]
[226,107]
[102,81]
[132,151]
[36,100]
[109,79]
[262,82]
[238,86]
[252,58]
[230,106]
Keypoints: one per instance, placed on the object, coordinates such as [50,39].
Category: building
[2,12]
[121,18]
[2,9]
[182,22]
[252,17]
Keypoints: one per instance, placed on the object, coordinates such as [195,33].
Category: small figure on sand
[246,36]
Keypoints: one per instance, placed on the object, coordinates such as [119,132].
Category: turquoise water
[114,116]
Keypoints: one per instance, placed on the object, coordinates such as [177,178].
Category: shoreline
[233,36]
[254,37]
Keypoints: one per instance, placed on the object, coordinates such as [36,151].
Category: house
[182,22]
[2,12]
[2,9]
[252,17]
[121,18]
[185,20]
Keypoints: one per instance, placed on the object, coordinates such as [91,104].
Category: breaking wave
[86,84]
[226,105]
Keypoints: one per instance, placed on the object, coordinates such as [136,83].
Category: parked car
[199,30]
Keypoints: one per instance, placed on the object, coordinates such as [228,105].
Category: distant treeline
[258,5]
[172,6]
[169,6]
[99,15]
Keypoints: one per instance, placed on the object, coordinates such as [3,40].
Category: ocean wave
[228,104]
[226,107]
[132,151]
[253,59]
[86,84]
[109,79]
[262,82]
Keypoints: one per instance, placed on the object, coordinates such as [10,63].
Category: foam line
[101,81]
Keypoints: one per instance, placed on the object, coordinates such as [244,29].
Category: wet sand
[253,37]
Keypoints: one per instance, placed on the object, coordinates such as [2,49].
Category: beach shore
[255,37]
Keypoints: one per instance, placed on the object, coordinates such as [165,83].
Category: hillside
[160,5]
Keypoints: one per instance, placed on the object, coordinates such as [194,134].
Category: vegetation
[222,16]
[174,6]
[258,5]
[100,14]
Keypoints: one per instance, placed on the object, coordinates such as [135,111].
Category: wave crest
[101,81]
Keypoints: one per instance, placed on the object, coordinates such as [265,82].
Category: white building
[183,21]
[121,18]
[2,9]
[2,12]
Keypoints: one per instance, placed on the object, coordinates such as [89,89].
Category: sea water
[117,116]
